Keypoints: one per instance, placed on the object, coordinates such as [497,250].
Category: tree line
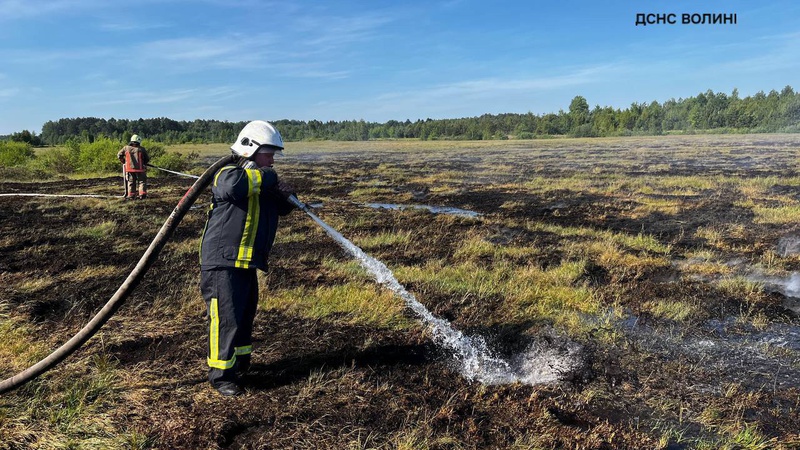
[709,111]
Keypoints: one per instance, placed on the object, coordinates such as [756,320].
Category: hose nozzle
[293,200]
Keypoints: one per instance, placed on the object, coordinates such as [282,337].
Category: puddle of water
[434,209]
[740,352]
[736,352]
[476,362]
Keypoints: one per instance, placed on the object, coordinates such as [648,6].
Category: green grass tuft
[352,303]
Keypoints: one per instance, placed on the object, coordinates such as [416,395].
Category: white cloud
[45,57]
[331,32]
[193,54]
[9,92]
[309,70]
[774,52]
[319,54]
[16,9]
[452,4]
[188,96]
[129,26]
[779,37]
[490,87]
[478,96]
[194,49]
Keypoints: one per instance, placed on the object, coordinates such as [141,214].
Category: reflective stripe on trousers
[213,339]
[231,296]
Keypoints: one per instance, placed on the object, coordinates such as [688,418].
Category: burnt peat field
[668,262]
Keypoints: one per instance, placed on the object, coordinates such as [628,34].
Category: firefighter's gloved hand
[285,189]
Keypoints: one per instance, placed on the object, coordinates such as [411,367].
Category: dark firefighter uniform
[237,239]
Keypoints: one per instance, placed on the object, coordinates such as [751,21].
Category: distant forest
[706,112]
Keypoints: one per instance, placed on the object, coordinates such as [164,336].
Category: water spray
[476,362]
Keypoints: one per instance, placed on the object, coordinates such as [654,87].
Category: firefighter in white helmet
[134,158]
[247,198]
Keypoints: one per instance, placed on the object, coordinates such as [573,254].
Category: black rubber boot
[228,389]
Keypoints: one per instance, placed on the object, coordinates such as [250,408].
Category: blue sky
[375,60]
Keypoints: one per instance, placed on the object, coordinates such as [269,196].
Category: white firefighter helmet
[136,138]
[254,135]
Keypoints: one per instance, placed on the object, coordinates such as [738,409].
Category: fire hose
[130,283]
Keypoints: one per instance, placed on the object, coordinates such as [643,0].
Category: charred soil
[651,379]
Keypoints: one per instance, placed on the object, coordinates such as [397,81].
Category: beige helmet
[254,135]
[136,138]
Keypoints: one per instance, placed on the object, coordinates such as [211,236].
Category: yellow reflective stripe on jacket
[251,222]
[246,350]
[213,340]
[216,177]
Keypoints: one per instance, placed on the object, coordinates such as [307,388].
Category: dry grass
[576,267]
[529,292]
[779,215]
[20,347]
[99,231]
